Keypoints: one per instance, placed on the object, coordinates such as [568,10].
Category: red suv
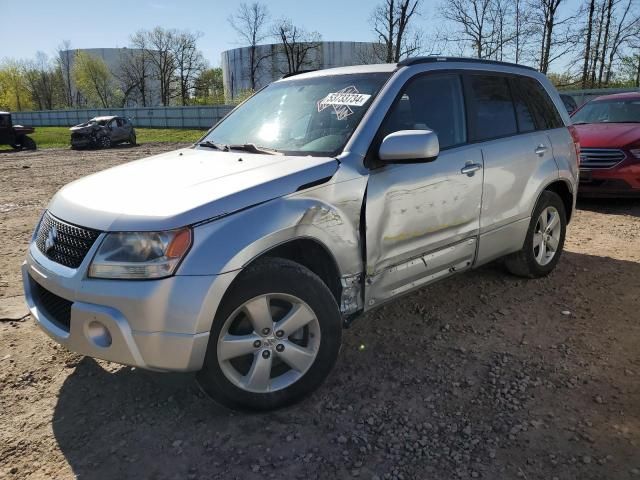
[608,128]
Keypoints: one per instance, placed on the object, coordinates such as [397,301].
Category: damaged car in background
[103,132]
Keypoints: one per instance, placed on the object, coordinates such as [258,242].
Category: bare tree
[595,54]
[189,63]
[587,44]
[137,70]
[160,43]
[627,29]
[606,40]
[250,23]
[393,25]
[556,33]
[298,46]
[483,24]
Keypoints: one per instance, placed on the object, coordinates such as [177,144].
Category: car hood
[607,135]
[84,128]
[184,187]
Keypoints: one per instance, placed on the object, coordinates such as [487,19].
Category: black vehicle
[103,132]
[15,135]
[569,103]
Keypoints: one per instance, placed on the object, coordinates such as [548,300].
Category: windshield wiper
[218,146]
[252,148]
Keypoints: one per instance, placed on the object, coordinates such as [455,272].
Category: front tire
[274,339]
[545,239]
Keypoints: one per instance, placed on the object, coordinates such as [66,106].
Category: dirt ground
[482,376]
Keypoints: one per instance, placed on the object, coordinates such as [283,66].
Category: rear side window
[544,111]
[524,110]
[492,112]
[432,102]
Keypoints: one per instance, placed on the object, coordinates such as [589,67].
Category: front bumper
[81,142]
[623,180]
[155,324]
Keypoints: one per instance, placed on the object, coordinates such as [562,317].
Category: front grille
[600,157]
[56,308]
[64,243]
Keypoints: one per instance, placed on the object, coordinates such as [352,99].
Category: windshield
[609,111]
[314,116]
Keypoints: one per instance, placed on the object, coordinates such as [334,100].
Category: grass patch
[56,137]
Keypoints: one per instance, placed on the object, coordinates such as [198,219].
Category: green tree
[209,89]
[14,93]
[94,81]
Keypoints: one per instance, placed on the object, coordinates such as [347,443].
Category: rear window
[492,112]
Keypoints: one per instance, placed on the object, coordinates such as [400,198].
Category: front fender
[230,243]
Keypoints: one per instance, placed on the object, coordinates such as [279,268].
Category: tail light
[576,141]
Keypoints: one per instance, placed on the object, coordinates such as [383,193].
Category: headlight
[140,255]
[635,152]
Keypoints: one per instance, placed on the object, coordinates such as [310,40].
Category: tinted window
[524,111]
[569,103]
[431,102]
[492,112]
[543,109]
[5,121]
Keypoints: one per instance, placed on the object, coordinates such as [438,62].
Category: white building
[236,63]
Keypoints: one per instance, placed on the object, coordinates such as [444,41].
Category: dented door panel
[418,209]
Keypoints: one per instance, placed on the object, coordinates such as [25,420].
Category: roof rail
[293,74]
[407,62]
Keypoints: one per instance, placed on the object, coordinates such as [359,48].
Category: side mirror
[409,146]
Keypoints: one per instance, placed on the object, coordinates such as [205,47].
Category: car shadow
[130,423]
[611,206]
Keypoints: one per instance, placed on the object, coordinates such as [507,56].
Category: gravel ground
[482,376]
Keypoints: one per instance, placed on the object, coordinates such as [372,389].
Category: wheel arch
[562,188]
[311,254]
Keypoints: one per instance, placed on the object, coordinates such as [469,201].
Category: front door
[423,218]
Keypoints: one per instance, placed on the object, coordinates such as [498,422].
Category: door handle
[540,150]
[470,168]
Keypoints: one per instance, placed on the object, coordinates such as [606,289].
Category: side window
[545,113]
[121,122]
[492,112]
[524,111]
[431,102]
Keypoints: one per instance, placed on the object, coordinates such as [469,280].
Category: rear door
[422,218]
[514,153]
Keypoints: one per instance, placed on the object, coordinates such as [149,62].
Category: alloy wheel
[268,343]
[546,236]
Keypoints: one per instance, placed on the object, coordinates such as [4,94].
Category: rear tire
[28,143]
[132,140]
[105,141]
[294,357]
[544,241]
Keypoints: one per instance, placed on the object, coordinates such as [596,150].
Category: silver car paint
[242,210]
[203,184]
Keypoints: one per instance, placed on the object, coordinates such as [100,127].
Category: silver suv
[321,197]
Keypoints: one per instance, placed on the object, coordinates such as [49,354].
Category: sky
[106,24]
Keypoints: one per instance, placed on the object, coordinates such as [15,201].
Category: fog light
[99,334]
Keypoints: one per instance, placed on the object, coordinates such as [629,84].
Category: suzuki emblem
[50,242]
